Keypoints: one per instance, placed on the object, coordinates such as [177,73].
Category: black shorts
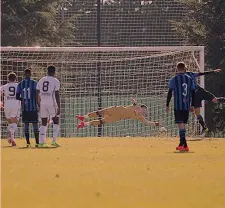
[30,117]
[200,95]
[181,116]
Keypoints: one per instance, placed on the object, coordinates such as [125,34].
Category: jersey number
[184,86]
[45,86]
[25,94]
[12,91]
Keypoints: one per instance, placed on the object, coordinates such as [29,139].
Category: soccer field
[114,173]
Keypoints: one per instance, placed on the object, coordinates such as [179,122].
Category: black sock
[36,135]
[26,132]
[201,121]
[182,133]
[221,100]
[36,132]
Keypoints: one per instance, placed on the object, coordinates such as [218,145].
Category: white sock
[55,131]
[86,116]
[14,126]
[42,134]
[10,128]
[86,123]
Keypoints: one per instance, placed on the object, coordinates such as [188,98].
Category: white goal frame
[166,49]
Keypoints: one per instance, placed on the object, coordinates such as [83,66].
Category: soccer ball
[162,129]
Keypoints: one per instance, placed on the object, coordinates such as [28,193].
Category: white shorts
[12,113]
[47,111]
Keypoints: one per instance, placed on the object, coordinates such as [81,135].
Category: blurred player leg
[107,119]
[201,121]
[43,128]
[13,127]
[27,118]
[91,123]
[181,118]
[27,134]
[12,116]
[201,95]
[42,132]
[36,133]
[93,114]
[55,131]
[7,115]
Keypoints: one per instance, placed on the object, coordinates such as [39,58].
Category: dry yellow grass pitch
[114,173]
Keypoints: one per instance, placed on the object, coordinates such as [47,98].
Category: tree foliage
[204,25]
[127,22]
[34,22]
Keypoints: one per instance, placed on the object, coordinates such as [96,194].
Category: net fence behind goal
[92,78]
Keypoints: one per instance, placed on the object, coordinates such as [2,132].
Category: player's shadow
[182,152]
[7,146]
[50,147]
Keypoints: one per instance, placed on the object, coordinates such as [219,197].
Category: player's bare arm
[38,98]
[57,97]
[1,103]
[18,93]
[215,71]
[169,96]
[147,122]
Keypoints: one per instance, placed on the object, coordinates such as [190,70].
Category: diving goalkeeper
[117,113]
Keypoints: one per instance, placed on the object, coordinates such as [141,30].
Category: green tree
[204,25]
[32,22]
[126,22]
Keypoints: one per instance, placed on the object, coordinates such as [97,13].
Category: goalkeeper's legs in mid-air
[97,122]
[200,95]
[110,115]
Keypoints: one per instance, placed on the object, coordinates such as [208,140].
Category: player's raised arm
[215,71]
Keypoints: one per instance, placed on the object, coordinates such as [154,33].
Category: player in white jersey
[11,105]
[49,102]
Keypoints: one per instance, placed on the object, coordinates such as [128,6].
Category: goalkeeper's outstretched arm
[147,122]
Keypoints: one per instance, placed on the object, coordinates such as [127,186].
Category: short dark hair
[12,77]
[181,65]
[51,69]
[27,71]
[143,106]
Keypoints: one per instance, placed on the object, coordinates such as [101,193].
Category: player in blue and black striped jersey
[26,93]
[183,88]
[202,94]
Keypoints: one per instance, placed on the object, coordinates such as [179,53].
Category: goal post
[110,74]
[202,78]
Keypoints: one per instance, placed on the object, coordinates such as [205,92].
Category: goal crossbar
[104,49]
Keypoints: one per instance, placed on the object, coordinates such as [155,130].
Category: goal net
[93,78]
